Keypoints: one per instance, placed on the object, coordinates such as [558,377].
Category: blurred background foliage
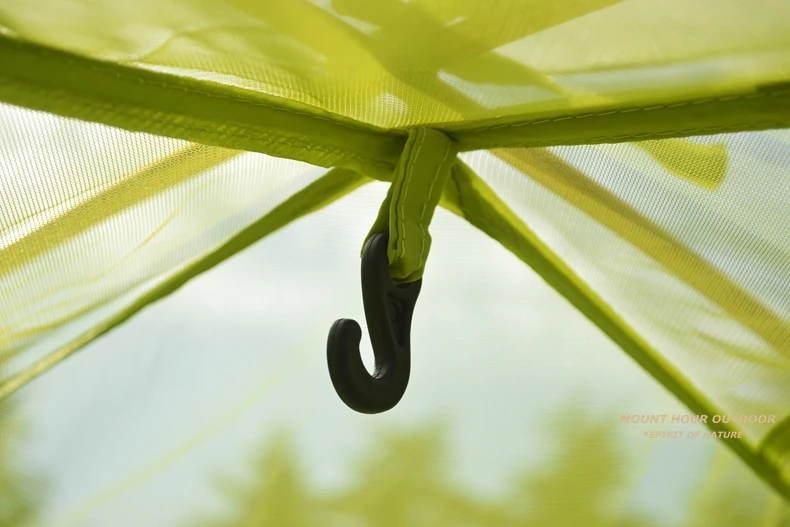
[407,480]
[18,490]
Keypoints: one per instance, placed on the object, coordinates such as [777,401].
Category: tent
[591,198]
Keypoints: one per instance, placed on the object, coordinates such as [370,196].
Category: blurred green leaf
[18,491]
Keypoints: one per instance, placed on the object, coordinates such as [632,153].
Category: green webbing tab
[417,184]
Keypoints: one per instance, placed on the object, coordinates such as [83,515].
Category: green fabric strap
[406,212]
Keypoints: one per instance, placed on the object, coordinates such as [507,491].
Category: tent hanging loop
[388,312]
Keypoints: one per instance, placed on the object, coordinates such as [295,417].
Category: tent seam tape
[709,100]
[526,143]
[100,66]
[422,258]
[401,198]
[264,136]
[97,65]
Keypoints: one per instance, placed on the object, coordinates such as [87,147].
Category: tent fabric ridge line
[268,138]
[73,86]
[360,131]
[693,102]
[672,134]
[105,67]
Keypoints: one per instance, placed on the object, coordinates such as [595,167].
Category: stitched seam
[461,205]
[709,100]
[409,171]
[271,139]
[134,113]
[101,67]
[762,125]
[94,65]
[423,230]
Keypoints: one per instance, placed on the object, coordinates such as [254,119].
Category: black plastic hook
[388,311]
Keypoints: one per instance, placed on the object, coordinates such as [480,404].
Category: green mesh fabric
[697,272]
[632,156]
[401,64]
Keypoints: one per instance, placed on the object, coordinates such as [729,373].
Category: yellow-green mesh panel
[685,239]
[398,64]
[94,217]
[688,243]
